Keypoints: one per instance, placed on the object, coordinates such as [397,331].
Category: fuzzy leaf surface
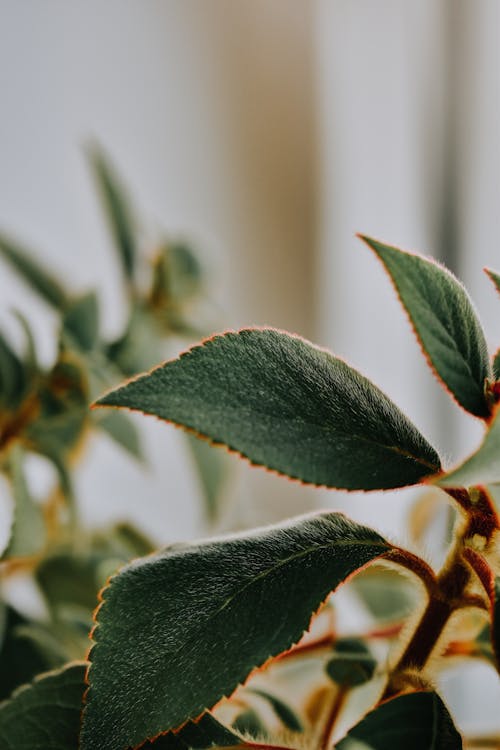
[285,404]
[33,273]
[179,630]
[204,733]
[418,721]
[44,715]
[482,466]
[445,322]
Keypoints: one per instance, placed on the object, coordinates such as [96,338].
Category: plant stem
[338,703]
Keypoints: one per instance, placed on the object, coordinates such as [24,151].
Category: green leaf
[33,273]
[20,657]
[81,321]
[30,355]
[482,466]
[213,467]
[496,365]
[386,593]
[13,376]
[249,722]
[417,721]
[177,277]
[28,534]
[123,431]
[287,715]
[495,277]
[116,205]
[140,346]
[204,733]
[351,663]
[44,715]
[283,403]
[445,323]
[179,630]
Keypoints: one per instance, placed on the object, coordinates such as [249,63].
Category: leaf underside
[483,466]
[418,721]
[285,404]
[445,322]
[179,630]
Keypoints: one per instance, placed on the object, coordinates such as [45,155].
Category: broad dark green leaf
[44,715]
[285,404]
[494,276]
[287,715]
[418,721]
[213,468]
[351,663]
[482,466]
[117,208]
[445,322]
[33,273]
[28,534]
[123,431]
[179,630]
[81,321]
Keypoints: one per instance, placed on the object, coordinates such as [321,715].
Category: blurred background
[268,133]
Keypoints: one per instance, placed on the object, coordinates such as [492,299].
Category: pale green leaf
[33,273]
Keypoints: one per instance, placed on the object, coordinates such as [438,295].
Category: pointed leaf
[482,466]
[116,205]
[417,721]
[13,376]
[20,658]
[283,403]
[179,630]
[495,277]
[81,321]
[44,715]
[33,273]
[28,534]
[445,322]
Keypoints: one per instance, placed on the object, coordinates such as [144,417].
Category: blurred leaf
[213,467]
[117,207]
[13,377]
[177,278]
[81,321]
[66,578]
[124,541]
[30,356]
[20,658]
[496,365]
[33,273]
[203,733]
[185,612]
[417,721]
[28,533]
[249,722]
[287,405]
[445,323]
[140,347]
[482,466]
[388,595]
[285,714]
[123,431]
[351,663]
[46,714]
